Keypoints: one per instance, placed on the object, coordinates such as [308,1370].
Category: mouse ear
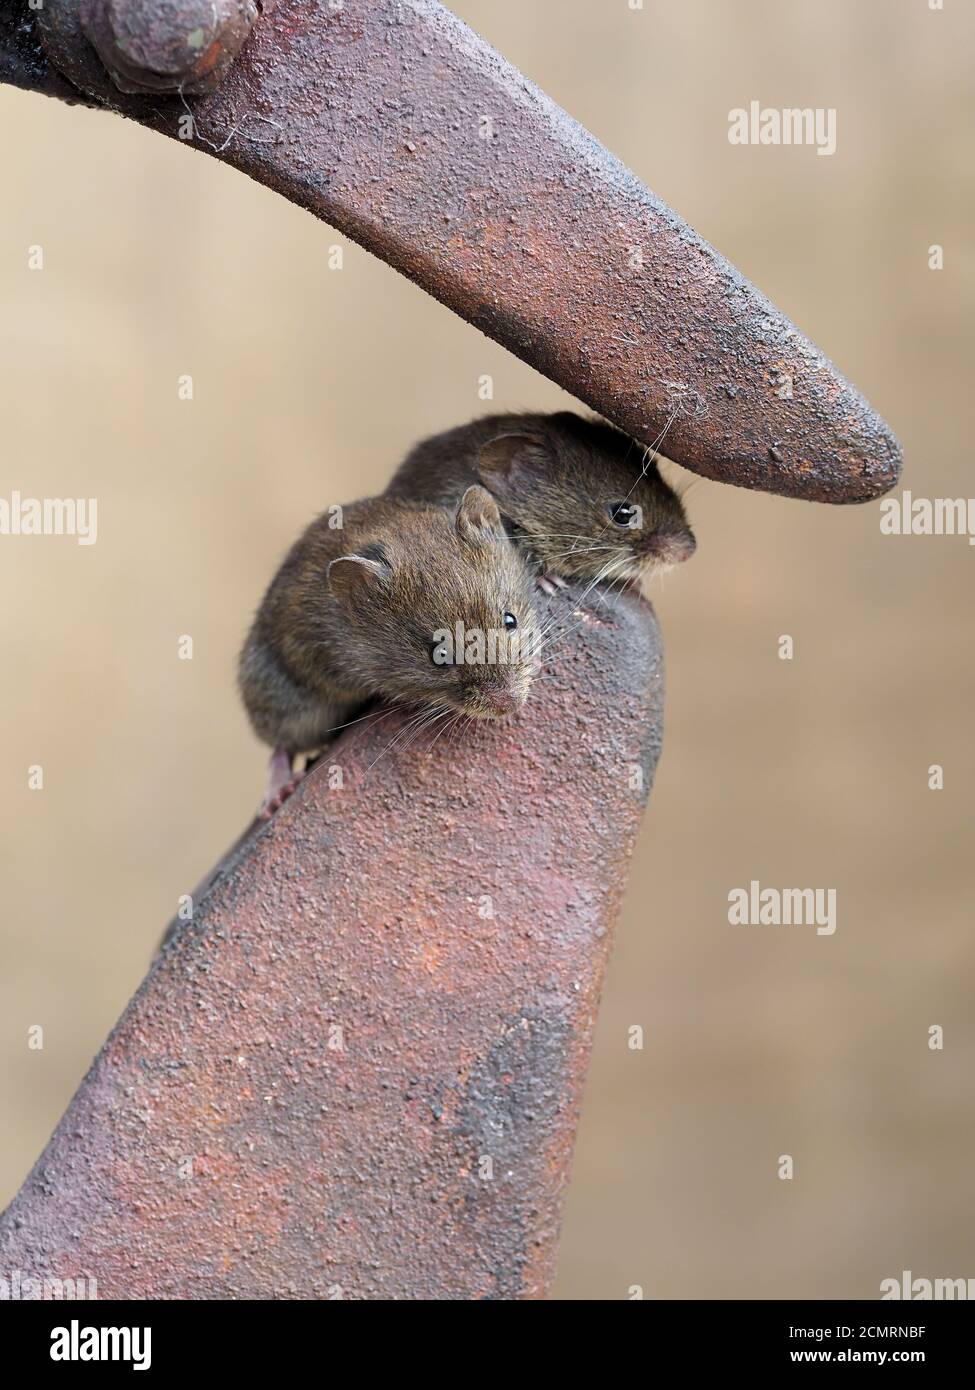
[507,455]
[478,518]
[353,576]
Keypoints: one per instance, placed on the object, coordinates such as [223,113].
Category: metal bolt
[167,45]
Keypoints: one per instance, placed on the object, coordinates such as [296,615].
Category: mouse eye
[622,513]
[510,621]
[441,654]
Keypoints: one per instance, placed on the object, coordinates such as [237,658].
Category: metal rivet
[167,45]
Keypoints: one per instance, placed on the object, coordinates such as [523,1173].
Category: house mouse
[577,495]
[389,603]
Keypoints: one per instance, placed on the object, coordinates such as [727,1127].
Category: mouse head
[585,500]
[444,609]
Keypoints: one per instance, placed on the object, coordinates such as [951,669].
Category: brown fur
[555,478]
[329,636]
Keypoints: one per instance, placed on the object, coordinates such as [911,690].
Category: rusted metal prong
[357,1071]
[393,121]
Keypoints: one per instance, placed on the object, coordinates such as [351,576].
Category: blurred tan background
[309,386]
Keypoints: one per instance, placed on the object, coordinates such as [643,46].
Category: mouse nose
[496,695]
[671,547]
[501,701]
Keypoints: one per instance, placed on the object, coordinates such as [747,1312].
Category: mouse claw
[550,583]
[282,782]
[274,803]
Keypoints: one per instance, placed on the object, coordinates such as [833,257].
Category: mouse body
[582,499]
[388,604]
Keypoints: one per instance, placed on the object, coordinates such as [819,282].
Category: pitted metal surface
[394,122]
[357,1071]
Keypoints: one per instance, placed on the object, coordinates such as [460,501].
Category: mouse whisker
[369,714]
[433,715]
[421,728]
[606,569]
[408,728]
[604,573]
[444,728]
[581,550]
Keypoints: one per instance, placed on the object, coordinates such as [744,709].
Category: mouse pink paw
[550,583]
[282,782]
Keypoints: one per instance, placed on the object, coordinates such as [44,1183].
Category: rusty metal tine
[357,1072]
[396,123]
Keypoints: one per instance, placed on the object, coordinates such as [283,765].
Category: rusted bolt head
[167,45]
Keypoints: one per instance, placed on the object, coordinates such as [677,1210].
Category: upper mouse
[584,499]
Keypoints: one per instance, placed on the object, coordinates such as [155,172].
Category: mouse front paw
[551,583]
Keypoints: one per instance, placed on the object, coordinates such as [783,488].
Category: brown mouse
[385,604]
[580,497]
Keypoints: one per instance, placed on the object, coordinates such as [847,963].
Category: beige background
[310,384]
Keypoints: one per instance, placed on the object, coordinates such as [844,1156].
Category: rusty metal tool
[356,1073]
[393,121]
